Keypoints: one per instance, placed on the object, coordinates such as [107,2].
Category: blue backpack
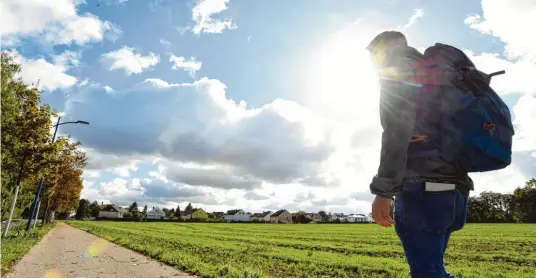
[460,117]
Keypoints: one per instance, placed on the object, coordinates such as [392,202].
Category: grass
[18,242]
[267,250]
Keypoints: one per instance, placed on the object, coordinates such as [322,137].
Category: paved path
[69,252]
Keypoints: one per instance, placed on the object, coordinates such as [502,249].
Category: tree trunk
[51,216]
[14,202]
[45,213]
[37,214]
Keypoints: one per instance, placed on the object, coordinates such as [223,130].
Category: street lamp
[41,181]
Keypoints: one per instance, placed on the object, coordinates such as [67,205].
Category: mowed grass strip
[17,243]
[267,250]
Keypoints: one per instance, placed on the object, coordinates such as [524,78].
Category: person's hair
[386,39]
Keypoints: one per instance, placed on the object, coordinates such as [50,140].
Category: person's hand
[380,211]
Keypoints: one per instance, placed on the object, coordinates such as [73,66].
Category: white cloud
[129,60]
[51,76]
[124,171]
[417,14]
[203,13]
[165,43]
[512,22]
[91,174]
[191,65]
[108,89]
[56,22]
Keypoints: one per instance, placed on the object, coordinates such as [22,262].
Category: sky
[252,104]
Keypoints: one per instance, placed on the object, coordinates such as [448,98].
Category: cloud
[213,176]
[202,15]
[417,14]
[51,76]
[91,174]
[55,22]
[512,22]
[195,123]
[191,66]
[165,43]
[124,171]
[156,192]
[254,196]
[129,60]
[108,89]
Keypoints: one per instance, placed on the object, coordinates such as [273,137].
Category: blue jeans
[424,223]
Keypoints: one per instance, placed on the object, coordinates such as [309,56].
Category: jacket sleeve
[397,115]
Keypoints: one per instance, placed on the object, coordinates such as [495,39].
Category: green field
[268,250]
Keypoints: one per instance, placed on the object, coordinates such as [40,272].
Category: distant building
[112,211]
[315,217]
[156,213]
[281,216]
[238,216]
[357,218]
[263,217]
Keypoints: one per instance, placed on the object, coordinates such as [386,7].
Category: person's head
[382,43]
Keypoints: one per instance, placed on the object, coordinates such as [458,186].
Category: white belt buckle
[438,187]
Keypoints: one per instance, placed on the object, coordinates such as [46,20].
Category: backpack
[460,117]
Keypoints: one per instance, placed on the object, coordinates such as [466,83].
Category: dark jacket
[398,112]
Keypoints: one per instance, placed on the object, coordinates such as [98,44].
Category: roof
[277,213]
[113,207]
[156,209]
[261,215]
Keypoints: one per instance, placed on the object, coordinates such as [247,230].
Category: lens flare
[96,248]
[53,273]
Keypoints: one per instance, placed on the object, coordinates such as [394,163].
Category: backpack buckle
[421,139]
[488,126]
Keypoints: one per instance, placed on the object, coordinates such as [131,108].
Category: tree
[301,217]
[166,211]
[189,209]
[199,215]
[170,213]
[25,142]
[95,208]
[65,181]
[324,215]
[525,203]
[83,210]
[133,207]
[178,212]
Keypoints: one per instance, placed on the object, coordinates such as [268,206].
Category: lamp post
[40,186]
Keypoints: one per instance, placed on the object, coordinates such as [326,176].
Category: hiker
[425,158]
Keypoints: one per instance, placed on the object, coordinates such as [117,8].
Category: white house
[357,218]
[339,216]
[239,216]
[156,213]
[112,211]
[266,217]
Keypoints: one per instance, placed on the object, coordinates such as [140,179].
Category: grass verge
[18,243]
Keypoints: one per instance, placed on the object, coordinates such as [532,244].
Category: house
[112,211]
[370,219]
[156,213]
[357,218]
[339,216]
[238,216]
[195,214]
[315,217]
[266,217]
[281,216]
[263,217]
[216,215]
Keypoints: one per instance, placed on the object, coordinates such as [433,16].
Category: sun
[340,78]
